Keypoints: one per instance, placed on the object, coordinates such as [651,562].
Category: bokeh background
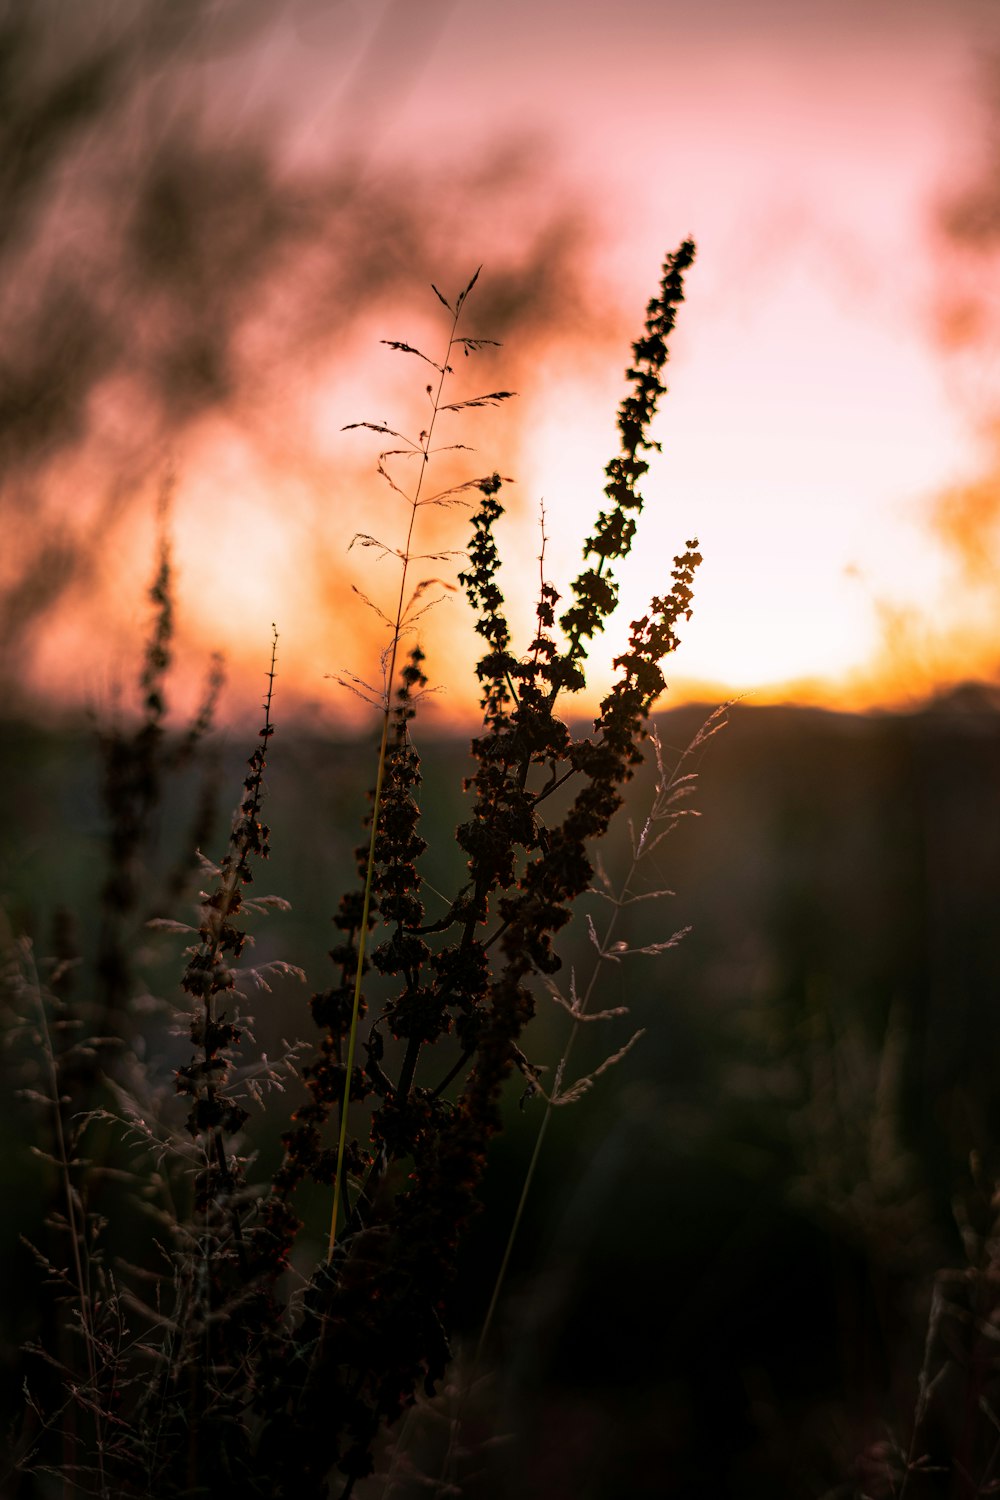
[214,211]
[210,215]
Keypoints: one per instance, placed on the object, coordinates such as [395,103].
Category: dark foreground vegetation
[207,1364]
[263,1256]
[725,1272]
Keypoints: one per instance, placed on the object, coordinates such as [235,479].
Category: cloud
[966,518]
[951,638]
[168,271]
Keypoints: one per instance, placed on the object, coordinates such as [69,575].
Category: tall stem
[75,1217]
[648,837]
[424,449]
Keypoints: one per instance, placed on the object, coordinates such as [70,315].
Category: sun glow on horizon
[810,437]
[811,589]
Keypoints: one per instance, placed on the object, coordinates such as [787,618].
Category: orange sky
[211,256]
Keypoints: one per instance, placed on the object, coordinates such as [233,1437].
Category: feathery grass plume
[406,616]
[671,792]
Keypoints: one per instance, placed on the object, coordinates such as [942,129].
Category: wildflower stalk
[209,974]
[421,448]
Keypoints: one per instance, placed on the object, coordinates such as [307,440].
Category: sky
[216,211]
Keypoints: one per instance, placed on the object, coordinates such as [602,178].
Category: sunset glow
[828,435]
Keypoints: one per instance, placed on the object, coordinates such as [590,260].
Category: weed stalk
[421,448]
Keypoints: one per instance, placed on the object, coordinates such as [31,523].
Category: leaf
[411,615]
[358,687]
[646,896]
[462,295]
[261,973]
[653,948]
[364,540]
[409,349]
[421,589]
[384,473]
[385,431]
[260,905]
[446,497]
[442,299]
[584,1085]
[490,398]
[372,606]
[574,1009]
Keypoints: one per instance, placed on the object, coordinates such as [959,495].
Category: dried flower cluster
[244,1395]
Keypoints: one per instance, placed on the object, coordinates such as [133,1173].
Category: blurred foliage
[722,1281]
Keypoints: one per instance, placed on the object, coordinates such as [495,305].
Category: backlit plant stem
[390,677]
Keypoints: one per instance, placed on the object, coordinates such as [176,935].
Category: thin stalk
[77,1231]
[529,1177]
[353,1037]
[648,837]
[397,629]
[550,1104]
